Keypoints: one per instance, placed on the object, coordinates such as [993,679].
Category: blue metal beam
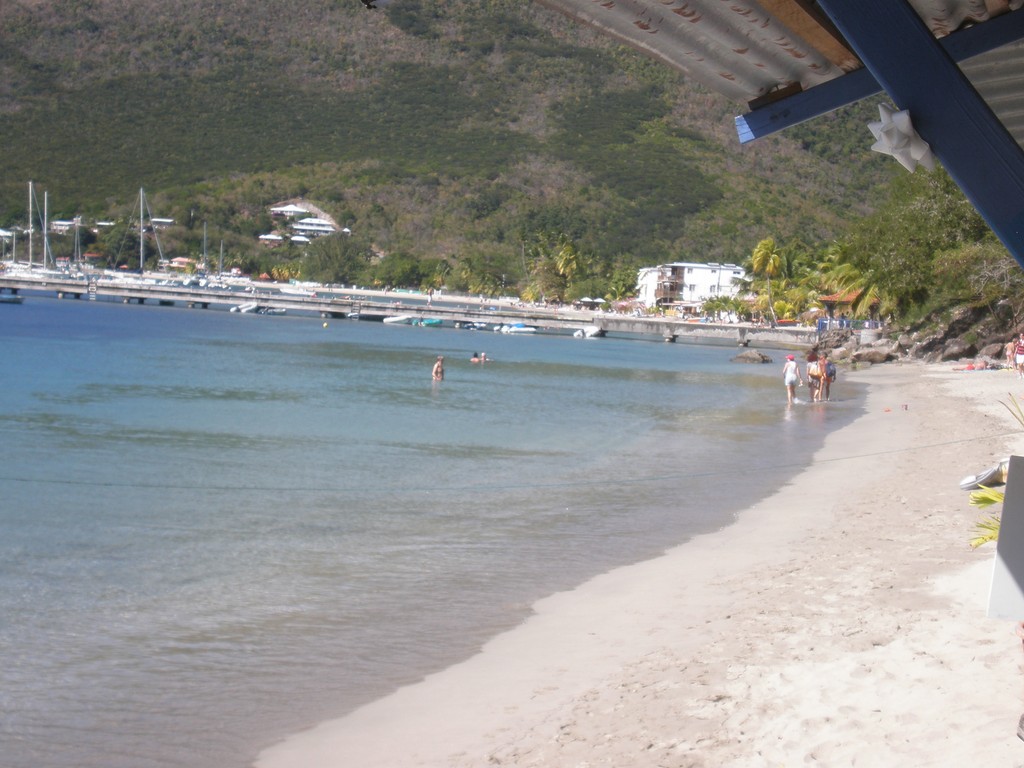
[965,135]
[805,105]
[860,83]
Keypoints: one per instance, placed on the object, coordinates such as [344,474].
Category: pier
[377,305]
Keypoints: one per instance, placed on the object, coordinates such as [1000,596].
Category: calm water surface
[219,529]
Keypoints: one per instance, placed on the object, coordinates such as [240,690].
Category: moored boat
[516,328]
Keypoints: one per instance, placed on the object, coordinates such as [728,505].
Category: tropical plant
[987,529]
[556,265]
[837,272]
[719,306]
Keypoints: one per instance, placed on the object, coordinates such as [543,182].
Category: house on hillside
[288,211]
[63,226]
[685,286]
[313,227]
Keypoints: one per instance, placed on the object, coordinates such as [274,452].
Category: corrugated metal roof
[753,50]
[998,76]
[746,49]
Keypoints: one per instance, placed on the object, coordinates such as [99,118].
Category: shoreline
[840,619]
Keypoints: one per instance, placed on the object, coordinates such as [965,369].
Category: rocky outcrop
[872,355]
[751,356]
[844,346]
[957,349]
[965,335]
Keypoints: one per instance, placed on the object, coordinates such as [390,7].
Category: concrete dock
[378,305]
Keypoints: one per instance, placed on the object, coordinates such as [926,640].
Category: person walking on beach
[828,374]
[813,376]
[790,376]
[1018,358]
[438,372]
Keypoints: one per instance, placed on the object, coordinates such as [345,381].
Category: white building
[686,285]
[63,226]
[288,210]
[313,227]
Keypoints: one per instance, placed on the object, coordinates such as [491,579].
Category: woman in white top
[790,376]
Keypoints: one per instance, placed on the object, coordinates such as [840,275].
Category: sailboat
[47,254]
[143,209]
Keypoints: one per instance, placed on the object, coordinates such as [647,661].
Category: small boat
[516,328]
[249,306]
[11,298]
[431,322]
[992,476]
[398,320]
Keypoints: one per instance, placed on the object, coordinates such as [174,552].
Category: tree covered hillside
[456,135]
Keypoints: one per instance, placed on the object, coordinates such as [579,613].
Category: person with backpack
[828,375]
[814,374]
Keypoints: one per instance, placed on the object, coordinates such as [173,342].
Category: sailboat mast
[142,231]
[47,256]
[30,227]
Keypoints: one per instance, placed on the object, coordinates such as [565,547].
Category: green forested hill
[440,131]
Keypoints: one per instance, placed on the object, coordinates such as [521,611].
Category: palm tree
[556,263]
[839,274]
[568,258]
[767,261]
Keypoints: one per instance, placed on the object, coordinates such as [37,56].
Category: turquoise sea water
[218,529]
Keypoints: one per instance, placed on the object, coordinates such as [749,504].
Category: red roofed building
[844,301]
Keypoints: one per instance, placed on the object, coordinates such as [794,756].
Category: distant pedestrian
[813,376]
[438,372]
[828,375]
[1019,357]
[790,377]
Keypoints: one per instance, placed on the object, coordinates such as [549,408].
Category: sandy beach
[841,621]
